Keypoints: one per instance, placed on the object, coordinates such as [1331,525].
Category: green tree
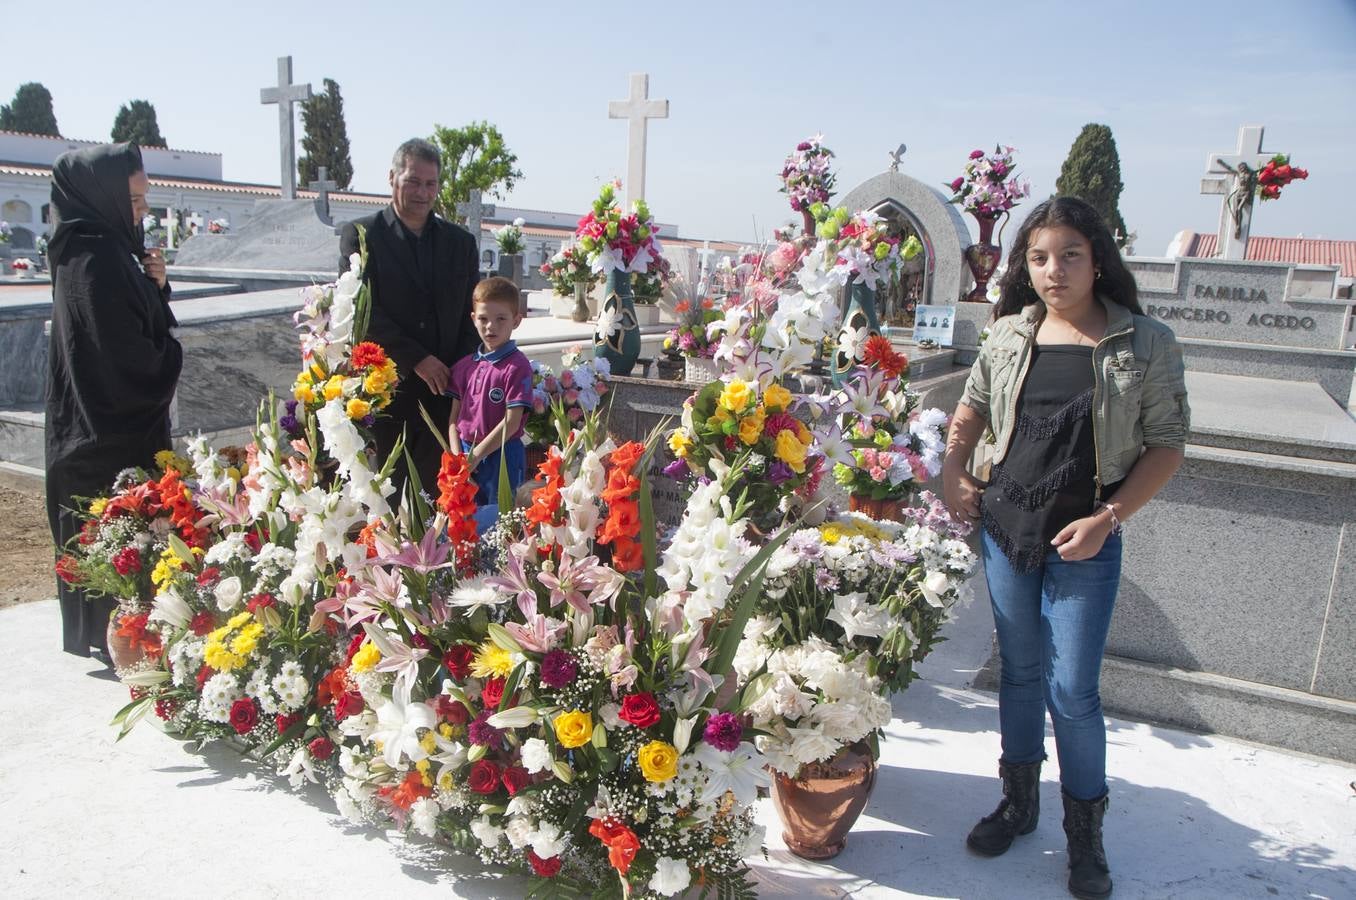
[472,157]
[325,142]
[1092,172]
[135,121]
[30,111]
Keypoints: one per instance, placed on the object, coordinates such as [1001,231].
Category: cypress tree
[1092,172]
[30,111]
[136,122]
[325,141]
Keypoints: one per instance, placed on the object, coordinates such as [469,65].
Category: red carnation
[67,569]
[640,710]
[208,575]
[350,703]
[260,601]
[202,623]
[367,354]
[457,660]
[283,721]
[354,646]
[546,868]
[204,673]
[321,748]
[252,541]
[127,560]
[492,694]
[484,777]
[515,778]
[244,715]
[166,707]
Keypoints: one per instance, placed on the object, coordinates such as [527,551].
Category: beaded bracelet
[1116,526]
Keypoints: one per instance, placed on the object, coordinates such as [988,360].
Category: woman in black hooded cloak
[112,362]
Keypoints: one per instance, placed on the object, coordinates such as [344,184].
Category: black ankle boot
[1089,876]
[1016,814]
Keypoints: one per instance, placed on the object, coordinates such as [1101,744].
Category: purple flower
[675,469]
[289,424]
[723,731]
[802,147]
[369,420]
[976,154]
[482,732]
[558,669]
[779,472]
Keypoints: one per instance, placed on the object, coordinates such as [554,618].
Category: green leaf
[292,731]
[648,546]
[750,578]
[439,433]
[505,498]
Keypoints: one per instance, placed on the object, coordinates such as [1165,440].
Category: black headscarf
[90,195]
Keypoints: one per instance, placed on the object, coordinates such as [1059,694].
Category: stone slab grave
[1237,608]
[1264,319]
[284,242]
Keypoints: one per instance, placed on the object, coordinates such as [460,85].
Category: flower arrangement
[650,286]
[41,245]
[1276,174]
[22,264]
[510,237]
[989,185]
[888,445]
[218,226]
[867,251]
[569,267]
[847,610]
[693,335]
[748,427]
[806,178]
[5,232]
[560,402]
[611,240]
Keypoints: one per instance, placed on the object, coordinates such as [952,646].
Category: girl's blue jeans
[1052,626]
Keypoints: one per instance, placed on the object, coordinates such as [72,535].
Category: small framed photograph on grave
[934,323]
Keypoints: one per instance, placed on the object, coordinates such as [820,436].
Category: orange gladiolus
[621,842]
[627,455]
[627,555]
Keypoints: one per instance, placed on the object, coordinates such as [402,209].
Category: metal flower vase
[581,313]
[982,258]
[617,336]
[820,805]
[861,317]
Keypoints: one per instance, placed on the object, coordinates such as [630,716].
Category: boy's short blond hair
[495,290]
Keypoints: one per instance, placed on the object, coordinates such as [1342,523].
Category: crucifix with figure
[1228,174]
[285,94]
[637,109]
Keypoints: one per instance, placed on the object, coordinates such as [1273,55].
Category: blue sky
[745,82]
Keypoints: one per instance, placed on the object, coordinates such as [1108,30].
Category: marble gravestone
[284,242]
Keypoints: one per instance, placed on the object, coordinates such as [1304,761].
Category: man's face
[413,191]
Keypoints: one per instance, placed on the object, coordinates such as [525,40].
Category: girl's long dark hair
[1116,283]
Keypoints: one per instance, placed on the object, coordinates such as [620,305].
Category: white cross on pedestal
[474,211]
[638,109]
[1226,177]
[171,225]
[322,188]
[285,94]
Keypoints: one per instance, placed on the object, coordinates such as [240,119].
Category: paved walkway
[1191,816]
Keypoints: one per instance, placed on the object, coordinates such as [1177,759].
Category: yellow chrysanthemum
[492,661]
[658,761]
[445,730]
[239,619]
[304,377]
[334,388]
[165,567]
[218,657]
[445,781]
[736,397]
[831,534]
[366,658]
[357,408]
[96,508]
[429,744]
[379,379]
[243,644]
[680,443]
[574,729]
[790,451]
[777,398]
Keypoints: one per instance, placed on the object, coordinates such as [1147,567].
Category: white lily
[398,727]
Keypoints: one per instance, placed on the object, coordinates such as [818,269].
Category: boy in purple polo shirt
[491,391]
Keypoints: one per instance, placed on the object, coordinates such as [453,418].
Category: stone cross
[285,94]
[195,222]
[705,253]
[637,109]
[171,225]
[475,212]
[1235,215]
[322,188]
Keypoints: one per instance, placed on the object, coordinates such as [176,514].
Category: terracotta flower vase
[123,651]
[883,509]
[982,258]
[621,344]
[821,804]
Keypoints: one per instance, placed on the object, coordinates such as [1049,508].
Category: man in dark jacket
[421,270]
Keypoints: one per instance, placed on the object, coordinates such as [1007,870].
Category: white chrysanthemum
[536,755]
[547,841]
[424,816]
[671,877]
[230,548]
[293,691]
[347,807]
[519,831]
[486,832]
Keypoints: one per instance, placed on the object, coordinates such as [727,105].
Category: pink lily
[574,577]
[396,657]
[429,555]
[514,580]
[539,634]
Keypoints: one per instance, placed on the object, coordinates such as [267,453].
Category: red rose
[283,722]
[252,541]
[1283,173]
[546,868]
[492,693]
[451,710]
[457,660]
[202,623]
[350,703]
[244,715]
[640,710]
[515,778]
[484,777]
[208,575]
[321,748]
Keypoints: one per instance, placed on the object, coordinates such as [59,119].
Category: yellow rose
[680,443]
[377,381]
[803,433]
[790,451]
[751,426]
[574,729]
[777,398]
[367,657]
[736,397]
[658,761]
[356,408]
[303,393]
[334,388]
